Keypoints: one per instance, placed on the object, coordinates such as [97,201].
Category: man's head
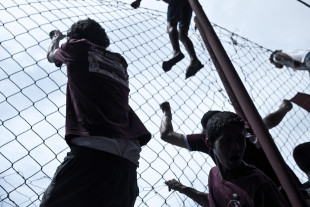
[204,120]
[301,156]
[272,59]
[226,137]
[91,30]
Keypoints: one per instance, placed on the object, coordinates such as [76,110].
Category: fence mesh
[32,96]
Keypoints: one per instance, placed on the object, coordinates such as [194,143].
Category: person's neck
[229,174]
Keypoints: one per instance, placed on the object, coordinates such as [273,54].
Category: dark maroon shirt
[97,93]
[252,154]
[253,188]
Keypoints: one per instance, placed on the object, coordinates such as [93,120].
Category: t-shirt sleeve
[68,51]
[196,142]
[61,55]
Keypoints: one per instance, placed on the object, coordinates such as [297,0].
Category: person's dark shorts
[92,178]
[180,10]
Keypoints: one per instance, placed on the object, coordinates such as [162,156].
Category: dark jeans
[92,178]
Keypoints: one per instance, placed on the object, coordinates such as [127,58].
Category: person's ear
[208,143]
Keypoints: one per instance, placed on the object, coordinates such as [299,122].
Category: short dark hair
[89,29]
[221,120]
[301,156]
[205,118]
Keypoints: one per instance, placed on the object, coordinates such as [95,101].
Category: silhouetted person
[301,156]
[104,134]
[295,59]
[179,13]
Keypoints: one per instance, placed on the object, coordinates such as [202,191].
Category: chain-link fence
[32,96]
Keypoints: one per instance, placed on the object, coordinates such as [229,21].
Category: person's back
[104,134]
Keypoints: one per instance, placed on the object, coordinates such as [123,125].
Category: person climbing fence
[104,134]
[33,96]
[179,13]
[295,59]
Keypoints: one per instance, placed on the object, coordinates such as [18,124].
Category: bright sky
[274,24]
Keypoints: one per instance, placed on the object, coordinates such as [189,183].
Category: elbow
[167,136]
[269,123]
[164,136]
[50,57]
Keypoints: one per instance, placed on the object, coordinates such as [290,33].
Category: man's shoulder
[196,136]
[254,173]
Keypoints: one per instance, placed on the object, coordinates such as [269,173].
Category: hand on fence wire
[174,185]
[56,34]
[165,107]
[286,104]
[200,197]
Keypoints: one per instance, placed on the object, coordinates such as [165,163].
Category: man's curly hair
[91,30]
[220,120]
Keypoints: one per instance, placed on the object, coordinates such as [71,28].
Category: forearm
[200,197]
[273,119]
[166,130]
[166,124]
[55,36]
[168,135]
[52,48]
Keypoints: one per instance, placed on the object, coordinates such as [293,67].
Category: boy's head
[204,120]
[226,137]
[91,30]
[301,156]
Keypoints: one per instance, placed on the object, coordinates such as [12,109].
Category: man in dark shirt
[301,156]
[196,142]
[232,182]
[104,134]
[179,12]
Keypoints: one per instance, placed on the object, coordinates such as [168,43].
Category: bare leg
[188,44]
[174,39]
[174,36]
[195,65]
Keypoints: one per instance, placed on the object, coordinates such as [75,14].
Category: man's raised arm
[273,119]
[166,129]
[200,197]
[56,36]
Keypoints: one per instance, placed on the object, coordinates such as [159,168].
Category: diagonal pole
[286,179]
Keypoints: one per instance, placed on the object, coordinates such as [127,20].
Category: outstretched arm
[283,57]
[56,36]
[273,119]
[200,197]
[166,129]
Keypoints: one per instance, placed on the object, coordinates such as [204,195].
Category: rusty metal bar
[286,179]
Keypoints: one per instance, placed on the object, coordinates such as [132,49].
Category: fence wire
[32,96]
